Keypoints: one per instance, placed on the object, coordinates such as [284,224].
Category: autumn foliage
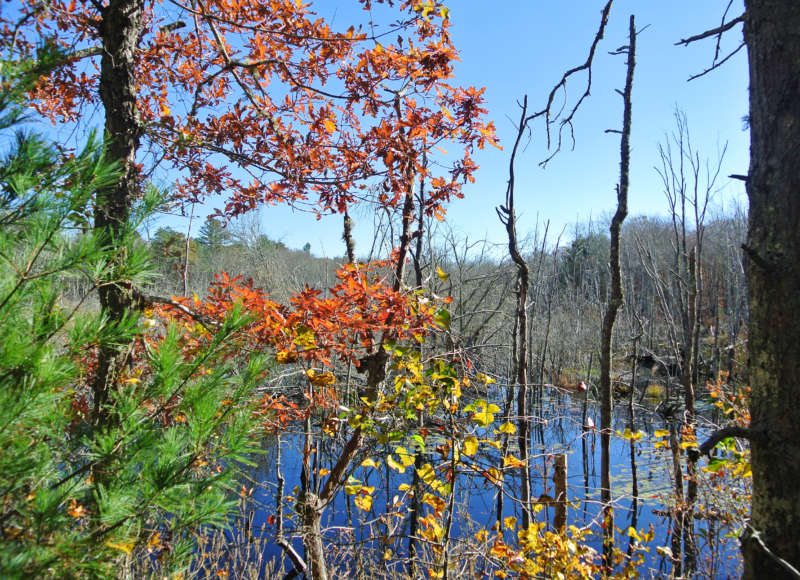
[264,102]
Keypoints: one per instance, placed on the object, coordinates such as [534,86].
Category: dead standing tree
[562,118]
[615,300]
[508,218]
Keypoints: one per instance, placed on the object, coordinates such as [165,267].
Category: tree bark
[121,26]
[772,33]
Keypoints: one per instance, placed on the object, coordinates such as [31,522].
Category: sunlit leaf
[507,427]
[470,446]
[363,502]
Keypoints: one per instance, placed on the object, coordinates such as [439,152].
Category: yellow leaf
[363,502]
[403,487]
[370,462]
[482,535]
[324,471]
[398,467]
[508,427]
[627,434]
[484,413]
[513,462]
[510,522]
[485,379]
[406,457]
[687,444]
[661,433]
[470,446]
[126,547]
[329,125]
[494,475]
[443,276]
[427,473]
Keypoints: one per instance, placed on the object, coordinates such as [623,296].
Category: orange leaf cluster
[358,312]
[265,102]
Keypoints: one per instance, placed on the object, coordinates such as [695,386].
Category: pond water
[351,532]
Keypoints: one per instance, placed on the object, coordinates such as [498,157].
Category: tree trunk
[614,304]
[508,218]
[120,28]
[772,33]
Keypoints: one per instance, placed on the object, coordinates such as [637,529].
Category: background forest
[571,404]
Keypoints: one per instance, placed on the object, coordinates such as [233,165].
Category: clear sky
[518,47]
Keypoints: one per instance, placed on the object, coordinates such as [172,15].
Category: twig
[717,64]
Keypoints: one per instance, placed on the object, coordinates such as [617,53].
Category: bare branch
[547,112]
[206,322]
[717,64]
[714,31]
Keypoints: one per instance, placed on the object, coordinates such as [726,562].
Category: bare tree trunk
[614,304]
[773,272]
[678,522]
[508,218]
[690,543]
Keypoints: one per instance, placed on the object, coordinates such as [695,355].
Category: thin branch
[712,32]
[207,323]
[717,64]
[756,535]
[562,85]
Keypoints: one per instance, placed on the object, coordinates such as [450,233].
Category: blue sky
[519,47]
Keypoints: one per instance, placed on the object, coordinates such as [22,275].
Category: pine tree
[77,500]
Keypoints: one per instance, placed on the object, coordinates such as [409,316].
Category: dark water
[559,429]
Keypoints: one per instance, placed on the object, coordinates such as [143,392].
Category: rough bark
[772,33]
[120,28]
